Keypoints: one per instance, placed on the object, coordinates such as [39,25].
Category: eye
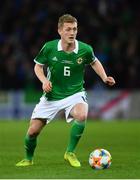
[68,29]
[74,29]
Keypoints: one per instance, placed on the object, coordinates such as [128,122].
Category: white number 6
[66,71]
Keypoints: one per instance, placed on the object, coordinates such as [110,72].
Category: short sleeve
[41,57]
[90,57]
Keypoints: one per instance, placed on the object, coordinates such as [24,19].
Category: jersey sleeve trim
[38,62]
[94,60]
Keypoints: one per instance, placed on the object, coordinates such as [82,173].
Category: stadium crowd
[111,27]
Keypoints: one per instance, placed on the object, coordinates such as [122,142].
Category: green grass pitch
[121,138]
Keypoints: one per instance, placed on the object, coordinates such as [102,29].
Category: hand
[110,81]
[47,86]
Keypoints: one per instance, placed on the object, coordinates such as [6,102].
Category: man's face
[68,32]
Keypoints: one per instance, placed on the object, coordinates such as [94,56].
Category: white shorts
[48,109]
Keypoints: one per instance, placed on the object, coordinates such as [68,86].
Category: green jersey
[65,70]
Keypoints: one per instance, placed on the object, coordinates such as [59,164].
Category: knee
[81,116]
[80,112]
[32,132]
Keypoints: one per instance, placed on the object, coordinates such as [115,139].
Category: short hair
[66,18]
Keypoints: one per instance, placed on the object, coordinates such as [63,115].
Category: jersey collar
[59,47]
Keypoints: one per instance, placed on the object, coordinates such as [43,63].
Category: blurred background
[111,27]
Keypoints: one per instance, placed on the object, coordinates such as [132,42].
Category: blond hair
[66,18]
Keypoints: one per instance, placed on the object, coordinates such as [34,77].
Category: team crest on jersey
[79,60]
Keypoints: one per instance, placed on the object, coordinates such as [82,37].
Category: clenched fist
[110,81]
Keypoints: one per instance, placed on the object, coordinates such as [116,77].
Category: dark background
[110,26]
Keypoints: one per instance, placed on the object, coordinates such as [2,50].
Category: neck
[68,47]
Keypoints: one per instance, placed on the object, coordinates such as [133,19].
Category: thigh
[80,111]
[77,107]
[45,110]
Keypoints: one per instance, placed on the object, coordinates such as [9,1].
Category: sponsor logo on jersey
[79,60]
[67,62]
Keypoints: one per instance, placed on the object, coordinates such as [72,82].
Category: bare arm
[46,84]
[98,68]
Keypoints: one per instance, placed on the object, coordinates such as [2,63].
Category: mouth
[71,38]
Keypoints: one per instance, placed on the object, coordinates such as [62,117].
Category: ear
[59,31]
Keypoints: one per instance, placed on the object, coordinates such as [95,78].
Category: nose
[72,32]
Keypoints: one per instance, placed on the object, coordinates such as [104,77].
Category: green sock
[30,145]
[75,135]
